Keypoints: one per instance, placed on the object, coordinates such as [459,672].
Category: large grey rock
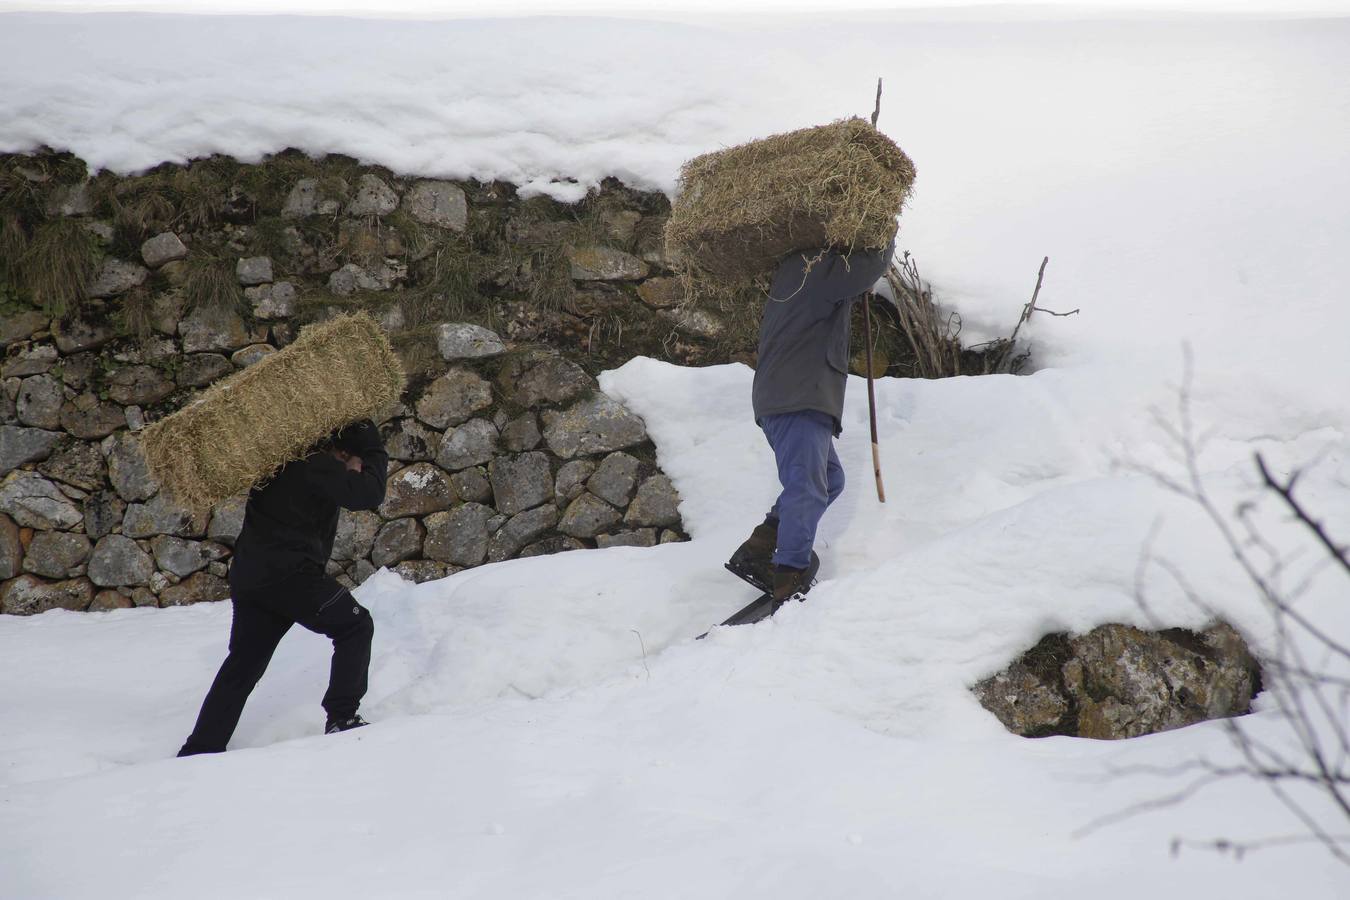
[33,359]
[108,599]
[521,433]
[355,536]
[253,270]
[181,557]
[656,503]
[160,515]
[21,326]
[117,561]
[272,301]
[373,198]
[552,380]
[460,340]
[438,203]
[139,385]
[453,398]
[641,537]
[398,540]
[352,278]
[458,536]
[587,516]
[416,490]
[304,200]
[213,329]
[571,480]
[71,200]
[1118,681]
[251,354]
[163,248]
[661,293]
[472,485]
[470,444]
[39,402]
[597,425]
[127,469]
[167,309]
[24,445]
[559,543]
[116,276]
[103,512]
[520,482]
[697,322]
[11,549]
[227,520]
[34,502]
[599,263]
[77,464]
[77,370]
[55,554]
[200,369]
[89,418]
[614,479]
[521,530]
[201,587]
[420,571]
[77,335]
[408,440]
[28,595]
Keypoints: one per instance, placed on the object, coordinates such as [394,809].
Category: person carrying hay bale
[277,580]
[798,400]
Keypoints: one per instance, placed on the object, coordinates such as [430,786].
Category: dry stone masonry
[503,446]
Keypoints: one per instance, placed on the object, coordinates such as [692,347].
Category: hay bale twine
[246,427]
[741,210]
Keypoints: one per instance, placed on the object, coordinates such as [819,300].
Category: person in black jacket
[798,401]
[277,579]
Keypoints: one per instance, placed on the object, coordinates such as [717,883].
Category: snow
[548,726]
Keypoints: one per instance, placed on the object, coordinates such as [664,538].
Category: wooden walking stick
[871,391]
[872,399]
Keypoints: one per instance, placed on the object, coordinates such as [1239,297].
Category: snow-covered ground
[548,727]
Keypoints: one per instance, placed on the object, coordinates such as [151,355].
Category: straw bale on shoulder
[246,427]
[741,210]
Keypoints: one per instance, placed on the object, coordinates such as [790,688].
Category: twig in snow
[643,645]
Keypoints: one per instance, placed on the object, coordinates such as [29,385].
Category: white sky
[674,8]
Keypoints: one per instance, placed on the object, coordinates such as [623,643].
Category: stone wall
[503,309]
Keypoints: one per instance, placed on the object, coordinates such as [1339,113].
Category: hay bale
[246,427]
[740,211]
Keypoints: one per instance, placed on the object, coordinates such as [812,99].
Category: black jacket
[290,520]
[803,338]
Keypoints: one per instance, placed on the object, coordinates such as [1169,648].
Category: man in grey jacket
[798,400]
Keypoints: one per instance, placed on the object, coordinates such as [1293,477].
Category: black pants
[261,618]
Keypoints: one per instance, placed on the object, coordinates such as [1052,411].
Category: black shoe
[336,725]
[793,584]
[753,560]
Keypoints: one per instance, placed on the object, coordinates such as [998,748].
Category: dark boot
[336,726]
[790,584]
[753,560]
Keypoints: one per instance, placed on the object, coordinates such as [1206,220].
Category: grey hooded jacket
[803,338]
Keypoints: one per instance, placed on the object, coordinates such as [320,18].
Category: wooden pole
[872,399]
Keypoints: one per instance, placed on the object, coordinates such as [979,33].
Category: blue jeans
[811,476]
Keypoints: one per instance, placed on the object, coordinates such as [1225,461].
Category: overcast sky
[666,8]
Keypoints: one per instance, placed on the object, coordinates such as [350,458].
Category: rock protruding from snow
[1118,681]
